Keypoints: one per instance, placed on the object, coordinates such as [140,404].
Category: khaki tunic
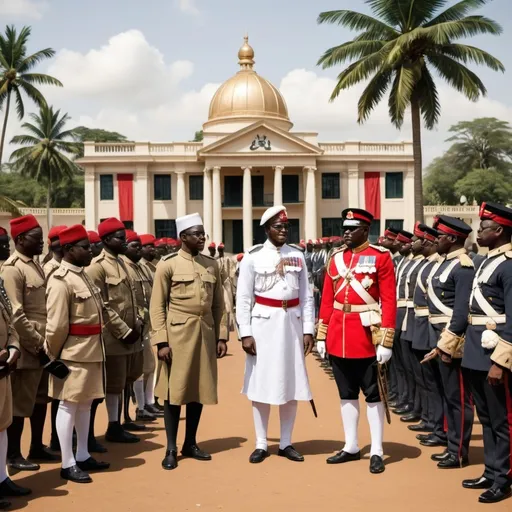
[149,354]
[50,267]
[72,299]
[227,273]
[151,266]
[8,339]
[186,312]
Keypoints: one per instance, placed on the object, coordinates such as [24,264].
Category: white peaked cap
[271,212]
[188,221]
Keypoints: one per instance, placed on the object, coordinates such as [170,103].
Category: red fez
[109,226]
[405,237]
[160,242]
[131,236]
[212,246]
[55,232]
[310,242]
[94,238]
[240,257]
[23,224]
[302,244]
[3,231]
[73,234]
[496,212]
[147,239]
[221,245]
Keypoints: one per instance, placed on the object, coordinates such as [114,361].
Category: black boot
[92,444]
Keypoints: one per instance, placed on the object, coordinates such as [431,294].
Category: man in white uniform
[275,314]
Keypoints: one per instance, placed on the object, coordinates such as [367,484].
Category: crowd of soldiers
[115,315]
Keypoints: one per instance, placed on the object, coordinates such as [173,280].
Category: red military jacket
[373,268]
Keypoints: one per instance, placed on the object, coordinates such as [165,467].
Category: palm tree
[15,76]
[398,48]
[46,146]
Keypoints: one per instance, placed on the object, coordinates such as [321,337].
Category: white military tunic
[277,374]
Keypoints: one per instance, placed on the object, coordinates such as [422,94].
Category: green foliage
[440,178]
[198,136]
[485,185]
[83,134]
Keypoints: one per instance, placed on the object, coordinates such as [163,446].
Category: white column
[310,217]
[141,201]
[207,203]
[90,193]
[181,194]
[217,206]
[353,185]
[278,185]
[247,208]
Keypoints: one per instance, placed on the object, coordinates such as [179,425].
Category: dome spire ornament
[246,55]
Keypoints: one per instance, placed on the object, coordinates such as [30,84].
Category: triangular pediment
[263,139]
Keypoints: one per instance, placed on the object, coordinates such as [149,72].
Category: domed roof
[247,94]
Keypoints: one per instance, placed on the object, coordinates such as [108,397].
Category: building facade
[249,159]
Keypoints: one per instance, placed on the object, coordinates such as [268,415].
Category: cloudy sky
[148,69]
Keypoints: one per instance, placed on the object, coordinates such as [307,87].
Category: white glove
[383,354]
[320,348]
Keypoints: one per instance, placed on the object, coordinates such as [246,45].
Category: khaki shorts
[122,370]
[28,388]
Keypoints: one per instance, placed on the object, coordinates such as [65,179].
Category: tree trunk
[4,128]
[49,202]
[418,160]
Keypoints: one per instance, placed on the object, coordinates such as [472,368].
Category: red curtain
[125,187]
[372,193]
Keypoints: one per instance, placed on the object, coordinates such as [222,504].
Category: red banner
[372,193]
[125,188]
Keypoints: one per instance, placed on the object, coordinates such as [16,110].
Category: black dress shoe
[423,437]
[452,462]
[376,464]
[131,426]
[4,504]
[195,452]
[258,456]
[403,410]
[343,456]
[145,416]
[170,460]
[440,456]
[420,427]
[433,441]
[92,465]
[393,404]
[94,447]
[495,494]
[412,417]
[42,454]
[117,434]
[477,483]
[153,409]
[291,454]
[9,488]
[21,464]
[75,474]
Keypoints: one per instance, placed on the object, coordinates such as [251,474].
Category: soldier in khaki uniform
[188,327]
[9,355]
[122,323]
[227,273]
[96,243]
[73,334]
[25,285]
[148,259]
[55,250]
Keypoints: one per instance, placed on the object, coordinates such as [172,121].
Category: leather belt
[421,312]
[274,303]
[401,303]
[84,330]
[484,320]
[439,319]
[355,308]
[410,303]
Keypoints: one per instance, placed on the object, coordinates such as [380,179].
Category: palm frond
[34,129]
[25,139]
[466,53]
[372,95]
[428,99]
[40,79]
[349,51]
[32,92]
[420,12]
[400,95]
[356,21]
[456,12]
[9,205]
[36,58]
[390,12]
[20,108]
[445,33]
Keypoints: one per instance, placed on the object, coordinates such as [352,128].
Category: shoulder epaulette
[379,248]
[256,248]
[508,254]
[169,256]
[60,272]
[11,260]
[466,261]
[98,258]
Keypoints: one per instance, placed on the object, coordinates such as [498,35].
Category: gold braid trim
[466,261]
[502,354]
[382,336]
[450,343]
[321,334]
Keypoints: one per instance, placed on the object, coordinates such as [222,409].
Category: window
[195,186]
[233,190]
[162,187]
[294,232]
[290,188]
[165,228]
[257,190]
[394,185]
[331,226]
[106,187]
[395,224]
[330,185]
[374,231]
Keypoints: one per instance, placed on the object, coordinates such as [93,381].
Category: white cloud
[188,6]
[33,9]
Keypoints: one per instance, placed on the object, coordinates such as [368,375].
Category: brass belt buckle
[347,308]
[284,305]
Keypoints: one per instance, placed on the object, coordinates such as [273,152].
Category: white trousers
[261,415]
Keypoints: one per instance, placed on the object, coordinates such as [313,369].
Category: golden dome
[247,94]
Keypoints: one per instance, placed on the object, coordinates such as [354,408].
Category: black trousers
[459,409]
[494,408]
[409,366]
[398,360]
[436,398]
[355,375]
[421,385]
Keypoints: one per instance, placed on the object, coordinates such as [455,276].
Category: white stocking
[138,389]
[261,415]
[375,414]
[350,416]
[150,389]
[82,420]
[65,422]
[3,455]
[112,403]
[287,414]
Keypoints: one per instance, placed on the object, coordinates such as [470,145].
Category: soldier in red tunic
[357,321]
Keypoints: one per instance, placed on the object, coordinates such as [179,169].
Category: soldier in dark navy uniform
[448,291]
[490,322]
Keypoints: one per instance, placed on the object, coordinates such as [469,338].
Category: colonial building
[249,159]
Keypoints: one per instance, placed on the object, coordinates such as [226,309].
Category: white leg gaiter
[65,422]
[287,415]
[350,416]
[375,414]
[261,415]
[150,389]
[138,389]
